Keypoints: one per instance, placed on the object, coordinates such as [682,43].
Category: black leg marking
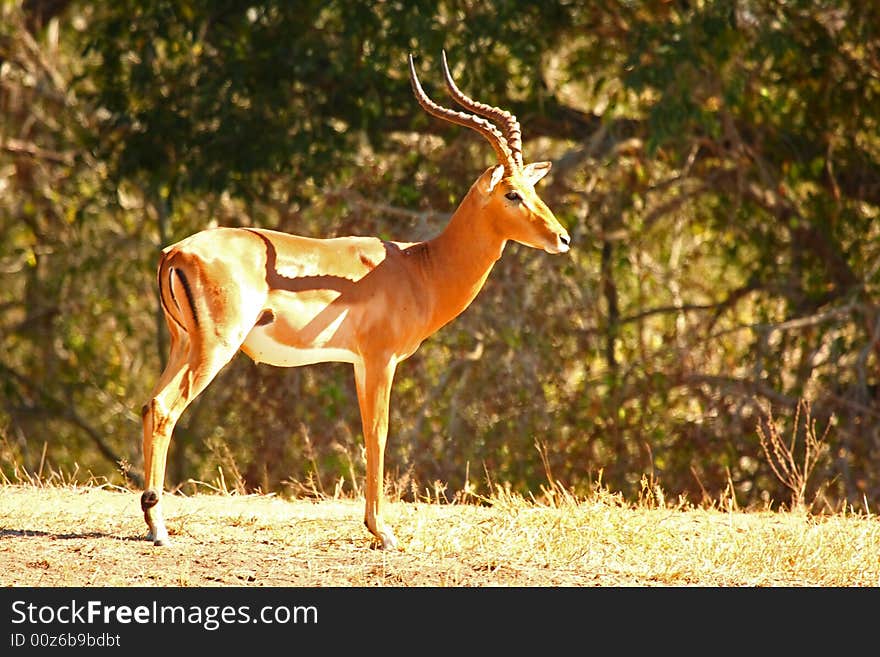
[149,499]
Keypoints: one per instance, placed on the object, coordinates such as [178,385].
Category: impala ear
[535,171]
[497,175]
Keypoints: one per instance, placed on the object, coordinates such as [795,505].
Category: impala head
[507,189]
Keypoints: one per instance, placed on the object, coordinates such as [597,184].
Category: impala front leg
[373,379]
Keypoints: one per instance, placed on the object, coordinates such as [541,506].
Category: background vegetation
[717,163]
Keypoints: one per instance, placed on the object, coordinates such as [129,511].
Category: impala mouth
[562,245]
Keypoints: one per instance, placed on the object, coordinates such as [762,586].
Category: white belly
[263,349]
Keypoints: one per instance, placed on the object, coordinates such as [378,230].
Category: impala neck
[461,257]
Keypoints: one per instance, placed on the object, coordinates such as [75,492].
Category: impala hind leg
[188,372]
[373,380]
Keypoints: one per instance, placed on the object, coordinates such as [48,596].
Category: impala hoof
[161,540]
[385,541]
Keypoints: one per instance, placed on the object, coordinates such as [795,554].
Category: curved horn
[509,124]
[484,127]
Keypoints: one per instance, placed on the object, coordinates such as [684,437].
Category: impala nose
[563,243]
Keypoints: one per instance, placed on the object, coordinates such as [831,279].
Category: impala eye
[513,196]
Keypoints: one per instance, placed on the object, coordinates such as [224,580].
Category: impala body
[288,300]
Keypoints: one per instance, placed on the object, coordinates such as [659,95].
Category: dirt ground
[93,537]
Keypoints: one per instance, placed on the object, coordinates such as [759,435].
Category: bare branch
[19,147]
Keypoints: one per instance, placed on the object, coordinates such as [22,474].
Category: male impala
[288,300]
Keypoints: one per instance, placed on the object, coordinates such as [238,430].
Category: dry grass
[73,535]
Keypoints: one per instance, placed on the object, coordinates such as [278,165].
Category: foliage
[716,162]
